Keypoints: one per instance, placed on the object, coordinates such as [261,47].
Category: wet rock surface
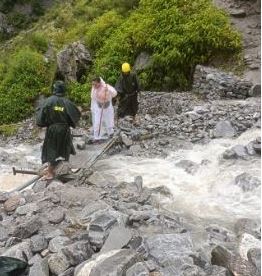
[124,236]
[95,226]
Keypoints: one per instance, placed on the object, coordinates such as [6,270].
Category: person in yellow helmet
[128,88]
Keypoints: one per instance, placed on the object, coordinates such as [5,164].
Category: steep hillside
[246,17]
[174,36]
[16,15]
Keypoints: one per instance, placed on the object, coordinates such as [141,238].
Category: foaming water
[21,156]
[208,194]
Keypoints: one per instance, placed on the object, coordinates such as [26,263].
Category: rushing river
[208,194]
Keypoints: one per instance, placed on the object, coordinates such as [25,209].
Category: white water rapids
[209,194]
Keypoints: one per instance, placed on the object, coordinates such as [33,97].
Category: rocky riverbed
[177,195]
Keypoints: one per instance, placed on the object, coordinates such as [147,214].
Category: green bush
[28,75]
[38,41]
[18,20]
[101,29]
[79,93]
[177,33]
[9,130]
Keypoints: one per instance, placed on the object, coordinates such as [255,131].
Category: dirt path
[246,17]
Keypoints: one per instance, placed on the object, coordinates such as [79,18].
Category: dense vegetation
[178,34]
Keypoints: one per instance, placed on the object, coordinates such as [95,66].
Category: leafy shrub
[9,130]
[38,41]
[79,93]
[101,28]
[28,75]
[18,20]
[177,33]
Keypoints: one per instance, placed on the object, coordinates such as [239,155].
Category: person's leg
[134,107]
[109,120]
[50,173]
[97,123]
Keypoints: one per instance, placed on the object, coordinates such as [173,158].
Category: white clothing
[103,114]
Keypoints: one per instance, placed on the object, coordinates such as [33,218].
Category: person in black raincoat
[58,114]
[128,88]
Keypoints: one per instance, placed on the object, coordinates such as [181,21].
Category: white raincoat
[102,110]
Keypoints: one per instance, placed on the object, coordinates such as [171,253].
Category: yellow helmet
[126,67]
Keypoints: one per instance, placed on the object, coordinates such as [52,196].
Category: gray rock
[117,239]
[141,215]
[30,208]
[12,241]
[91,209]
[240,151]
[76,196]
[151,266]
[39,186]
[234,263]
[143,61]
[224,129]
[135,149]
[4,233]
[53,234]
[255,90]
[38,243]
[115,262]
[3,197]
[97,239]
[229,154]
[27,229]
[81,145]
[250,148]
[57,243]
[77,252]
[126,141]
[102,223]
[247,182]
[254,256]
[57,215]
[38,266]
[257,148]
[68,272]
[180,266]
[246,243]
[237,13]
[73,60]
[189,166]
[138,182]
[218,234]
[58,263]
[21,251]
[12,203]
[246,225]
[215,270]
[138,269]
[166,248]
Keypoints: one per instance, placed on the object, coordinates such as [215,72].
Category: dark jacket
[127,87]
[58,115]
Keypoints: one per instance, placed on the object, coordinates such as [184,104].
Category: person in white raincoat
[102,108]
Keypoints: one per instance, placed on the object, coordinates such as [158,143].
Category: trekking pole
[100,123]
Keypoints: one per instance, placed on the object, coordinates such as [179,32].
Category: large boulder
[143,61]
[115,262]
[247,182]
[166,249]
[73,61]
[234,263]
[224,129]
